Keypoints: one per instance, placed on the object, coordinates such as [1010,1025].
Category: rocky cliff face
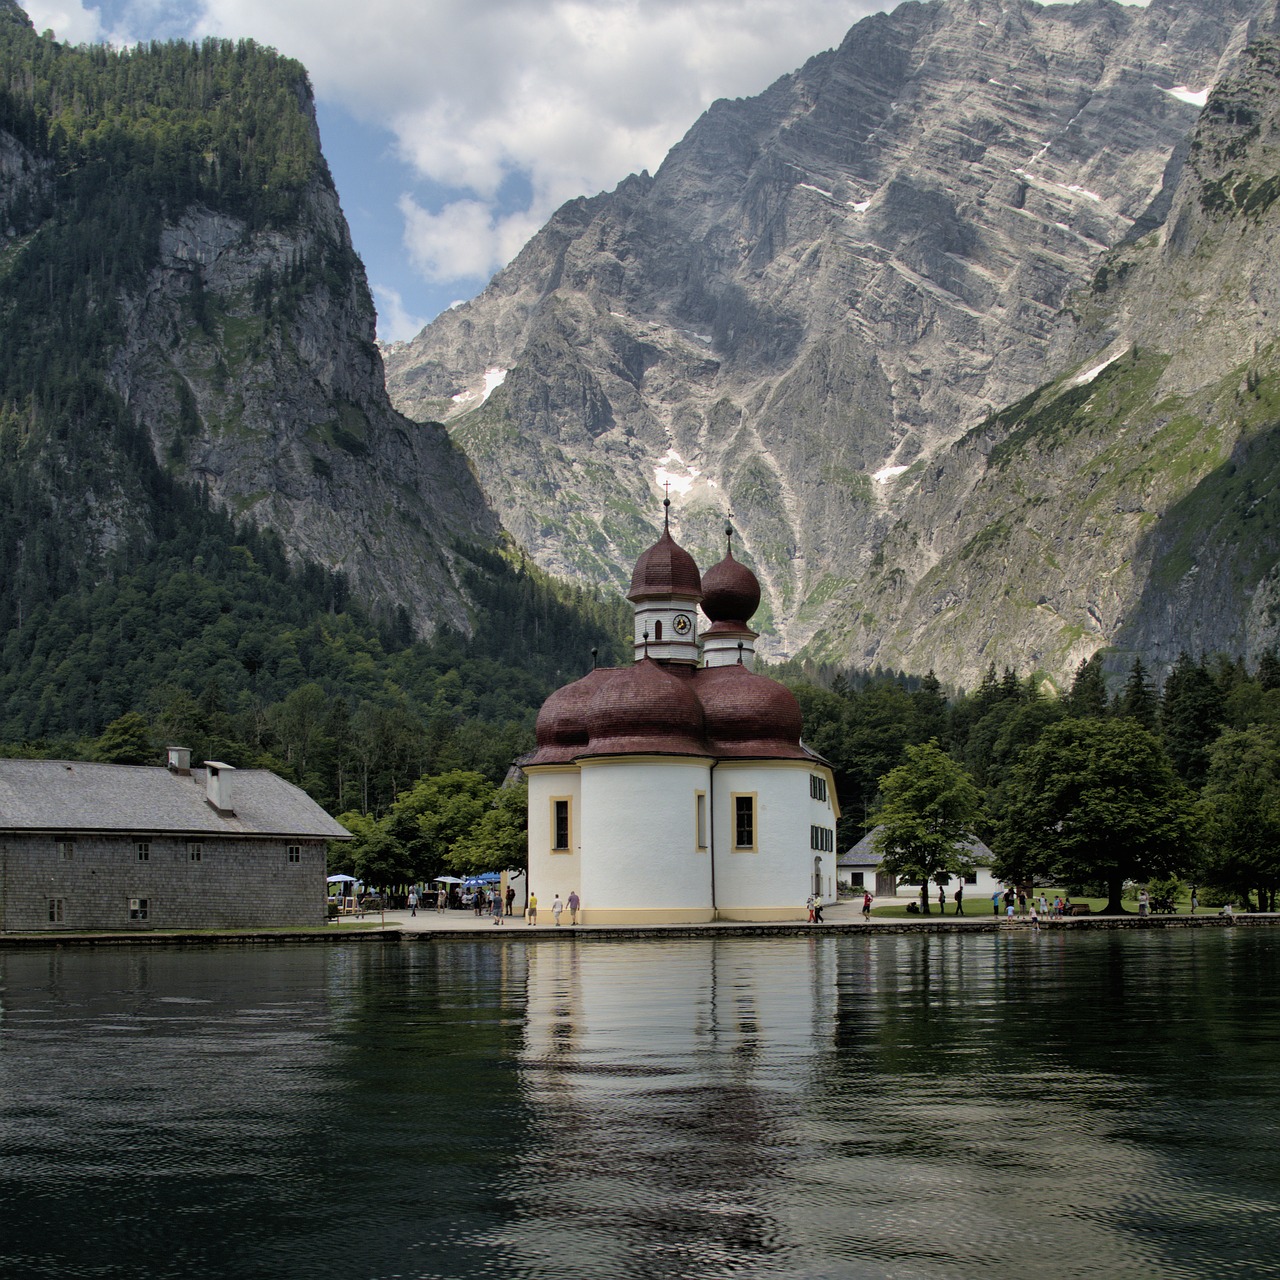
[250,359]
[179,298]
[820,294]
[1132,503]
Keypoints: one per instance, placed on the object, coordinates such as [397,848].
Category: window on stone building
[57,910]
[139,908]
[144,850]
[855,880]
[195,851]
[822,838]
[561,833]
[700,818]
[817,787]
[65,849]
[744,821]
[294,852]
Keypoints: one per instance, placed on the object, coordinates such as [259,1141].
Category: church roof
[655,708]
[726,713]
[665,569]
[730,591]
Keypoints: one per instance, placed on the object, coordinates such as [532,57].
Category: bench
[1079,909]
[1162,907]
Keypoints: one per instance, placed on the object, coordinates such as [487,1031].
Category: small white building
[677,789]
[859,870]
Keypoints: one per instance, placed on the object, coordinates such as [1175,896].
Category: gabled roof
[863,853]
[73,795]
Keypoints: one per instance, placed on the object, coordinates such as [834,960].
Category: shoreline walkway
[432,926]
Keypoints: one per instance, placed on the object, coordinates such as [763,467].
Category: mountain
[214,529]
[810,311]
[1133,502]
[180,305]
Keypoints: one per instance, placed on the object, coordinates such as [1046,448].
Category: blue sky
[454,128]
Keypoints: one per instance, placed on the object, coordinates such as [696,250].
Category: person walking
[1044,906]
[497,908]
[511,897]
[1144,902]
[532,911]
[995,903]
[556,908]
[573,902]
[809,907]
[413,903]
[866,905]
[959,896]
[942,901]
[1195,900]
[442,897]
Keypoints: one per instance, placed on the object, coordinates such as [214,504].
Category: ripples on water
[1090,1105]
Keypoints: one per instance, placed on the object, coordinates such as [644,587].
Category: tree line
[1090,790]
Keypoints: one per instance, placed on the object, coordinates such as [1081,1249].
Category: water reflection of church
[677,789]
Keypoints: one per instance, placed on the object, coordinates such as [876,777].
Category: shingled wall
[102,882]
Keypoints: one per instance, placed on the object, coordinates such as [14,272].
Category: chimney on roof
[179,759]
[218,788]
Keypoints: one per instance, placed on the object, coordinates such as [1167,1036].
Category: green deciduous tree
[1242,810]
[499,838]
[1095,800]
[428,818]
[126,740]
[928,812]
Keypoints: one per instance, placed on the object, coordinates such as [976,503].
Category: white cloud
[464,239]
[571,95]
[395,322]
[71,22]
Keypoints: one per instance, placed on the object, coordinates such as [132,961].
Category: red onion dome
[730,591]
[561,731]
[748,715]
[666,569]
[645,708]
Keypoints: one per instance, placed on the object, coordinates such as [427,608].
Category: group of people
[572,904]
[483,903]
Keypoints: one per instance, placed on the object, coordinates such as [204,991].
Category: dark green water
[999,1106]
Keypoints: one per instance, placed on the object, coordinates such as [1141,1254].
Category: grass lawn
[974,908]
[982,906]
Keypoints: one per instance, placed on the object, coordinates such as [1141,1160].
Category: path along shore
[434,926]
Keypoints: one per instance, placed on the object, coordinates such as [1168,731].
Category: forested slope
[210,518]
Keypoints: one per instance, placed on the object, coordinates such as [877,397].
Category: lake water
[1084,1104]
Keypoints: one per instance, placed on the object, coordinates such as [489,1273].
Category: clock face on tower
[682,624]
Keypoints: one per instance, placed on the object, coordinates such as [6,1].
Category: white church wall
[639,830]
[773,880]
[552,872]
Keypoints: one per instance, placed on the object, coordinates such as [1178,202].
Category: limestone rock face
[821,292]
[250,358]
[1131,503]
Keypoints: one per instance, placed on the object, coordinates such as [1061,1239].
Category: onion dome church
[677,789]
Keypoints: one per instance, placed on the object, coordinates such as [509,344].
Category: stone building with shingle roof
[109,846]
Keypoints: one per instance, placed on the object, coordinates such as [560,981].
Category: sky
[455,128]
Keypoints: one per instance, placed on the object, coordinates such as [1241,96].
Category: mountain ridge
[820,289]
